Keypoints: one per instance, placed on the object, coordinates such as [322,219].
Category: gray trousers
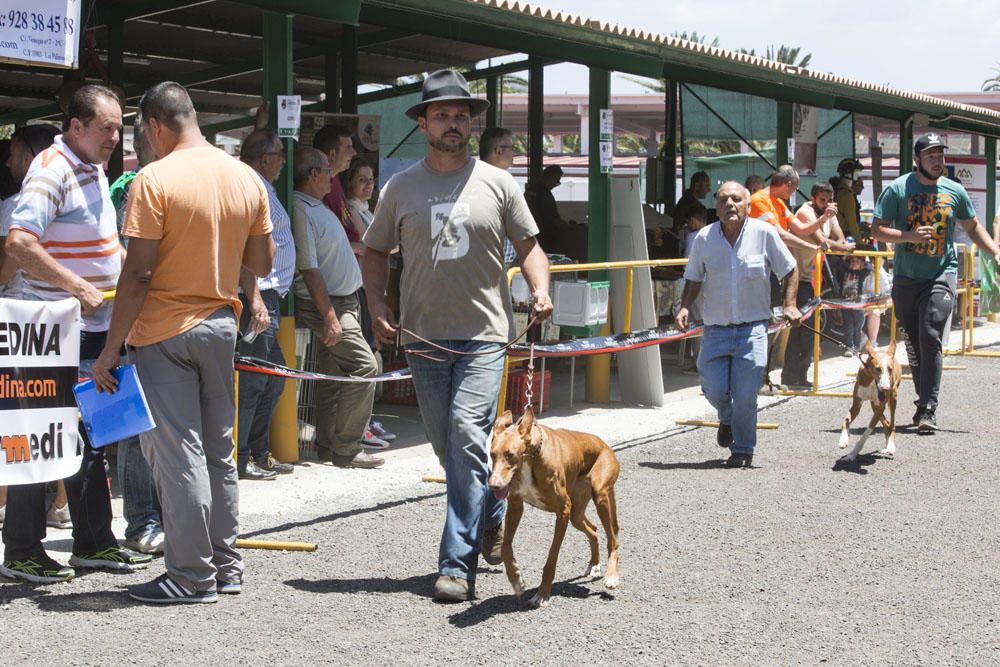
[188,381]
[343,409]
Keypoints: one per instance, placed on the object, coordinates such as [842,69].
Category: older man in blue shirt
[729,265]
[261,297]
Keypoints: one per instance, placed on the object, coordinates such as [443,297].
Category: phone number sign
[40,32]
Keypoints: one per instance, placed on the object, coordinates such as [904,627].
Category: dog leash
[426,354]
[832,339]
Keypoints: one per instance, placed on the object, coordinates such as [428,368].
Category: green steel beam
[906,146]
[116,73]
[536,117]
[341,11]
[667,172]
[470,75]
[598,184]
[784,132]
[476,23]
[991,183]
[349,69]
[331,61]
[278,81]
[492,112]
[226,125]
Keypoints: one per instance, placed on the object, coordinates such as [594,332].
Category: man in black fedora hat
[450,214]
[918,213]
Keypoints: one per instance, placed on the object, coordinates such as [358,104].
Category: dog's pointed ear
[503,421]
[869,349]
[526,422]
[892,348]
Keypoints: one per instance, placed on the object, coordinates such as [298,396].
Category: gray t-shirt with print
[450,228]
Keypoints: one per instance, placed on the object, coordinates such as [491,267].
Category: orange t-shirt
[770,209]
[201,204]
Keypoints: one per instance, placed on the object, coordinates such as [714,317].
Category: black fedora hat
[447,85]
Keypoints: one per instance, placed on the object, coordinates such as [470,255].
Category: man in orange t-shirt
[769,205]
[194,217]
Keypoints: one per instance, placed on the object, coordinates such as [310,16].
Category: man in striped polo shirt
[63,235]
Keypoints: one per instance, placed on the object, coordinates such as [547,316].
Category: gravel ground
[798,561]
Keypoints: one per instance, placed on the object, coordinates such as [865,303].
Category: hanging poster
[40,32]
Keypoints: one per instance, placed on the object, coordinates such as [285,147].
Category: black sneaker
[724,436]
[739,461]
[112,558]
[272,464]
[164,590]
[39,569]
[928,422]
[917,414]
[252,472]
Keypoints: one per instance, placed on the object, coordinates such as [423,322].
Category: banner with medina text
[39,364]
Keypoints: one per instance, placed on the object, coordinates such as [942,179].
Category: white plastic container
[579,303]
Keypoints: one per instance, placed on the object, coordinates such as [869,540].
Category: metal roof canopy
[214,47]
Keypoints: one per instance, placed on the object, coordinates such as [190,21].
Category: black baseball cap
[931,140]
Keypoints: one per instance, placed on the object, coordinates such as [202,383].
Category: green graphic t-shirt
[907,204]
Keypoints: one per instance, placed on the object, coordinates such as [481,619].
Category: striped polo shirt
[283,266]
[65,203]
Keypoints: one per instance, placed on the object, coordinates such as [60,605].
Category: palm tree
[783,54]
[509,83]
[992,84]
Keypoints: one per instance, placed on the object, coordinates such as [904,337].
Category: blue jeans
[854,324]
[140,505]
[731,365]
[458,401]
[259,393]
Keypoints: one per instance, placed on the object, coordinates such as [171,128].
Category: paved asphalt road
[797,561]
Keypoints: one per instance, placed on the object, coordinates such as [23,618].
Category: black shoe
[917,415]
[360,460]
[928,422]
[271,464]
[724,436]
[739,461]
[252,472]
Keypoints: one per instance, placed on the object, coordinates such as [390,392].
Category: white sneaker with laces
[58,517]
[371,441]
[380,432]
[150,542]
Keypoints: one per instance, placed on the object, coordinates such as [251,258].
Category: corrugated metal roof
[671,42]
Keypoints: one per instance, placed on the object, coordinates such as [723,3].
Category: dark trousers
[923,307]
[87,490]
[799,351]
[259,393]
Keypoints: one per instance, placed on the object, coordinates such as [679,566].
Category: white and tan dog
[878,383]
[557,471]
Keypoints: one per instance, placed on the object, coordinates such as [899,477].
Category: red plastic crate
[399,392]
[516,383]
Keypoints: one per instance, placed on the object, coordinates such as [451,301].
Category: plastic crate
[399,392]
[516,383]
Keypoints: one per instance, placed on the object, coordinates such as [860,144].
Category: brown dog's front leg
[515,508]
[541,598]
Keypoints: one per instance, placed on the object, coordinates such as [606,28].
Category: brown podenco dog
[557,471]
[878,383]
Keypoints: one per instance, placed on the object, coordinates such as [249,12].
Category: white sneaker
[58,517]
[150,542]
[379,431]
[372,441]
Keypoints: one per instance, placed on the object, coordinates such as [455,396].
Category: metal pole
[491,97]
[536,117]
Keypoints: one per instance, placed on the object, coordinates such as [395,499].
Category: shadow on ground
[339,515]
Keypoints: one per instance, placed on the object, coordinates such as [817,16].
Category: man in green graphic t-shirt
[918,213]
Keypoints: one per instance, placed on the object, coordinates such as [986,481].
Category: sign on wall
[40,32]
[39,364]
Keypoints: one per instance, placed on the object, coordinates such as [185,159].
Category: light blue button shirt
[735,283]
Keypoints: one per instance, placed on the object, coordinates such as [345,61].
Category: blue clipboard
[109,418]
